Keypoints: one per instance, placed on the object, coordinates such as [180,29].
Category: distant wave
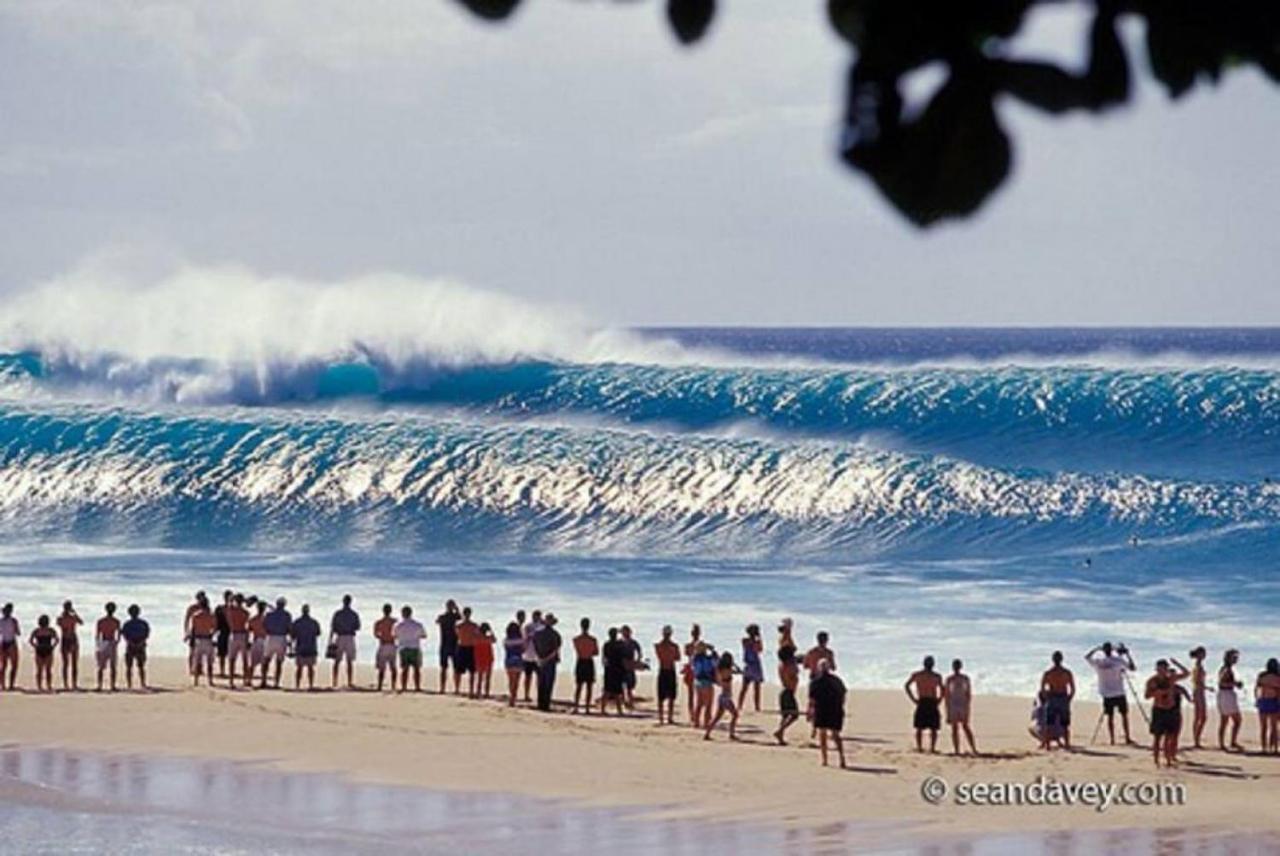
[184,477]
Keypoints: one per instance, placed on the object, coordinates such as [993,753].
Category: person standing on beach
[725,670]
[528,629]
[752,667]
[667,653]
[278,623]
[1111,669]
[44,639]
[1166,715]
[789,676]
[615,672]
[958,692]
[635,663]
[1228,701]
[107,641]
[258,643]
[222,639]
[585,647]
[546,644]
[69,623]
[306,647]
[1199,694]
[447,621]
[820,653]
[203,625]
[926,691]
[409,635]
[343,627]
[826,709]
[704,684]
[513,658]
[1057,689]
[9,633]
[690,649]
[384,630]
[196,604]
[1267,696]
[135,632]
[237,621]
[464,654]
[484,659]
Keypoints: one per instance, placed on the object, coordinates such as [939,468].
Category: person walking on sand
[1112,668]
[306,648]
[69,623]
[44,639]
[9,633]
[585,648]
[464,655]
[1166,715]
[826,709]
[384,630]
[690,650]
[1199,695]
[546,644]
[1057,688]
[203,625]
[447,621]
[513,659]
[107,641]
[958,691]
[615,657]
[278,623]
[197,602]
[484,659]
[409,634]
[926,691]
[258,644]
[237,620]
[343,627]
[704,684]
[725,670]
[135,632]
[752,667]
[1266,694]
[789,676]
[667,653]
[1228,701]
[529,629]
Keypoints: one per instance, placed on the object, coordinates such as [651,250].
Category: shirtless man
[820,653]
[1057,689]
[464,654]
[203,625]
[195,607]
[69,645]
[667,653]
[384,630]
[926,691]
[1166,713]
[107,642]
[237,618]
[258,643]
[958,692]
[585,647]
[9,633]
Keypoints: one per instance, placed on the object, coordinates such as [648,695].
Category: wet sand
[661,778]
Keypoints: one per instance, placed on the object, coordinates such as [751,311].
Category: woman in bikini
[789,676]
[44,639]
[1266,693]
[1199,695]
[1228,702]
[724,673]
[513,660]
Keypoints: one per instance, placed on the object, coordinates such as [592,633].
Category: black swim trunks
[585,671]
[666,684]
[1115,703]
[464,659]
[927,715]
[787,702]
[1165,720]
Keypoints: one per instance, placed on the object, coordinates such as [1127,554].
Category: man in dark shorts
[926,691]
[635,663]
[667,653]
[447,621]
[306,633]
[546,644]
[1166,711]
[1112,668]
[584,670]
[826,709]
[135,633]
[1057,689]
[222,639]
[467,636]
[614,656]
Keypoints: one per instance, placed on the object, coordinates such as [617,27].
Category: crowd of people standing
[246,640]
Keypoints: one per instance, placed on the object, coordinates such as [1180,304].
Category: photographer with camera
[1112,666]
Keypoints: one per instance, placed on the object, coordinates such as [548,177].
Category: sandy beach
[455,744]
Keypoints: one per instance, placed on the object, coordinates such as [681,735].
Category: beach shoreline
[456,744]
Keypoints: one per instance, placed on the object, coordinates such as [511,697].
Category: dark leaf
[690,18]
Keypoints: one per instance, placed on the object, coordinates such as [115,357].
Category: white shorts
[1228,704]
[386,655]
[237,645]
[203,649]
[346,649]
[257,652]
[106,652]
[277,647]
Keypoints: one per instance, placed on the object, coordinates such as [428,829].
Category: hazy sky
[578,156]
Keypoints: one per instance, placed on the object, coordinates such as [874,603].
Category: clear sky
[577,156]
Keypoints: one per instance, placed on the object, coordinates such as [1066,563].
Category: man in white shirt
[409,634]
[1112,668]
